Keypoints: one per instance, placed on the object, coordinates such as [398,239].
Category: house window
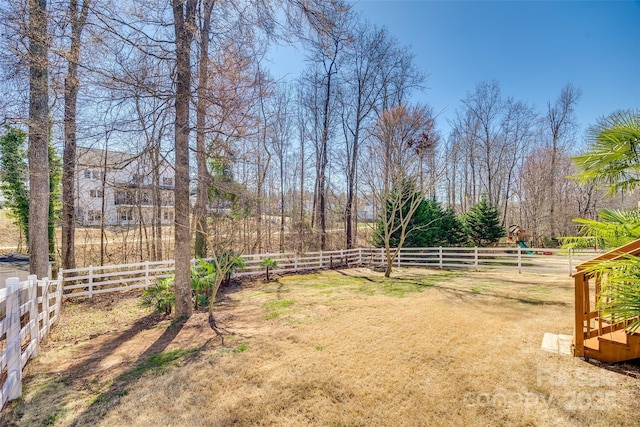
[167,215]
[125,215]
[94,216]
[89,174]
[145,200]
[95,193]
[167,181]
[122,197]
[167,198]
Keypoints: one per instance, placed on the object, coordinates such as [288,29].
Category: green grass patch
[278,307]
[159,363]
[242,347]
[399,285]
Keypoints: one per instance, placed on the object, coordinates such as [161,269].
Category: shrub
[160,295]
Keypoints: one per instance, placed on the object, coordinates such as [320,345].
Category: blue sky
[532,48]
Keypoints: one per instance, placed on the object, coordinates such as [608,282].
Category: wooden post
[44,330]
[440,257]
[61,277]
[475,257]
[519,259]
[578,327]
[570,262]
[90,281]
[146,274]
[34,323]
[320,259]
[14,359]
[359,255]
[295,261]
[58,299]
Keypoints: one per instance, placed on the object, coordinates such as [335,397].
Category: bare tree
[490,137]
[393,171]
[204,177]
[77,19]
[184,12]
[38,152]
[331,33]
[559,124]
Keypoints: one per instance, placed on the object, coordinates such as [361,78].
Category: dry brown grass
[333,348]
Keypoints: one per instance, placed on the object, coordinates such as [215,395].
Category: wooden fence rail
[95,280]
[28,309]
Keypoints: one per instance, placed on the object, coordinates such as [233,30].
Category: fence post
[34,323]
[58,298]
[60,277]
[44,331]
[146,274]
[570,262]
[359,255]
[440,257]
[14,359]
[398,261]
[295,261]
[475,257]
[90,281]
[321,259]
[519,259]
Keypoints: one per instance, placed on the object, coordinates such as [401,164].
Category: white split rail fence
[28,309]
[95,280]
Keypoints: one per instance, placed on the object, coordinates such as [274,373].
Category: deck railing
[589,321]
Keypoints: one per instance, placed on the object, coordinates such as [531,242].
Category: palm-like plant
[613,155]
[620,290]
[268,263]
[613,159]
[616,227]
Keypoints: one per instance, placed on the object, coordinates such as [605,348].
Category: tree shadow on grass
[151,360]
[463,294]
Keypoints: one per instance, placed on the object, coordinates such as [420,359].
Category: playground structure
[517,236]
[596,336]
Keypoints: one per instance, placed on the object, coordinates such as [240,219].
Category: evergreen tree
[13,178]
[483,223]
[13,174]
[430,226]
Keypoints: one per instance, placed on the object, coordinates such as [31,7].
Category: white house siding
[128,189]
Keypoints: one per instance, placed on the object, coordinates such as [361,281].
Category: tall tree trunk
[184,23]
[204,179]
[351,183]
[70,141]
[282,215]
[38,152]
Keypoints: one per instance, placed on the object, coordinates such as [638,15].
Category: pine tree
[483,223]
[430,226]
[13,175]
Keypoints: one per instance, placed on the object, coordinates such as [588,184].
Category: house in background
[124,188]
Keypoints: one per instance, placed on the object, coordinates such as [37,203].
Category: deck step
[613,347]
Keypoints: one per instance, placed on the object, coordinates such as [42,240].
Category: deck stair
[596,336]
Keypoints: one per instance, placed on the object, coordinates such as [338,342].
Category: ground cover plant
[342,347]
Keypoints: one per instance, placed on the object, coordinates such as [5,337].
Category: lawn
[330,348]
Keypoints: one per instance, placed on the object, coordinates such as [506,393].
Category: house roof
[95,157]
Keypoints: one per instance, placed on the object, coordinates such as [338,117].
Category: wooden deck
[596,336]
